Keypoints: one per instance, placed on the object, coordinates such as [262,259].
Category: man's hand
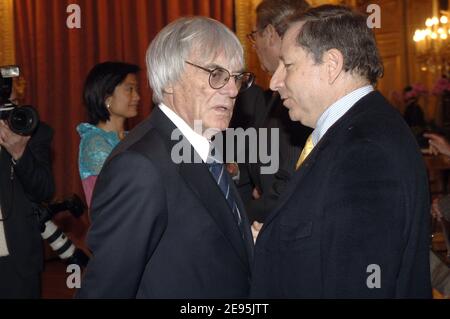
[13,143]
[232,168]
[256,194]
[438,144]
[435,211]
[256,227]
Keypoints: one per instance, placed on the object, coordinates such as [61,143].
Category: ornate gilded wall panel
[7,54]
[245,21]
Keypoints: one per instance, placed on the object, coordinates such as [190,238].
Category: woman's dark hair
[100,84]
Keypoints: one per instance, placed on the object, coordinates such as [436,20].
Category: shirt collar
[333,113]
[199,142]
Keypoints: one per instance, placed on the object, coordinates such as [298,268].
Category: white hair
[166,55]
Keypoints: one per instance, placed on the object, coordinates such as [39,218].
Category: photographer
[25,178]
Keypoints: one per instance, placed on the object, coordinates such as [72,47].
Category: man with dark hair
[354,220]
[275,15]
[272,20]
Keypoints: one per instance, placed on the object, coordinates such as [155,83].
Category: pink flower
[410,95]
[441,85]
[415,92]
[419,88]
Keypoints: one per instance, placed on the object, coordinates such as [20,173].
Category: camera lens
[23,120]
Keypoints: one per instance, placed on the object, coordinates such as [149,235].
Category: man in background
[272,20]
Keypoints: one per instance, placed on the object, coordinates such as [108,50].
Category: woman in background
[110,96]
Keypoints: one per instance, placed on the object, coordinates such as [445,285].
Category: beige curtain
[7,55]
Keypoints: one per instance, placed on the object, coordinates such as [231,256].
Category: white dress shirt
[199,142]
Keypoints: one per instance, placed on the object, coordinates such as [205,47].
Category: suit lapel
[202,183]
[310,161]
[297,178]
[248,236]
[204,186]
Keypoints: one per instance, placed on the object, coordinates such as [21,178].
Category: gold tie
[305,152]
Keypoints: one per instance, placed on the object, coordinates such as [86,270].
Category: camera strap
[2,109]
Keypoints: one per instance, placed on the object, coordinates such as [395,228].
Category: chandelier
[433,45]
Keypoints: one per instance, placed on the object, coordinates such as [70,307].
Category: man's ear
[272,35]
[334,61]
[168,89]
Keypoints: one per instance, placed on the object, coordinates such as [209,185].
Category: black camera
[58,241]
[21,120]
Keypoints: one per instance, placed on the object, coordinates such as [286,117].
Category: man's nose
[231,88]
[277,80]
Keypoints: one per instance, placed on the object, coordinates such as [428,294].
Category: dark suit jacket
[32,182]
[249,107]
[292,138]
[160,229]
[360,199]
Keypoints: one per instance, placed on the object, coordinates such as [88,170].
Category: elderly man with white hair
[168,223]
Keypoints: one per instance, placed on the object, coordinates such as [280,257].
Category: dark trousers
[15,286]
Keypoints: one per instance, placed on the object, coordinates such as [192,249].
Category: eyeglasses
[252,36]
[219,77]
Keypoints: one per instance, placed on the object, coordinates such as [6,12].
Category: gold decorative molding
[245,20]
[7,52]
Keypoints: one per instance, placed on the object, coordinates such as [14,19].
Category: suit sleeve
[34,169]
[364,224]
[260,208]
[129,216]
